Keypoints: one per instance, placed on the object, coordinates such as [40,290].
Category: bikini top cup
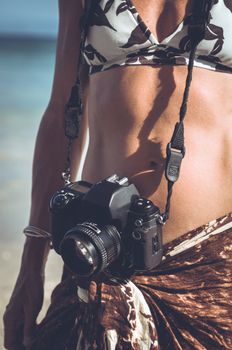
[117,36]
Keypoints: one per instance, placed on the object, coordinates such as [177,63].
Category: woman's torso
[132,114]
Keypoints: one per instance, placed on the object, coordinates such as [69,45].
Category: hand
[22,311]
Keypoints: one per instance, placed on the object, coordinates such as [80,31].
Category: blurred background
[28,30]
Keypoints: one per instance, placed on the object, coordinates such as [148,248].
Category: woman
[131,111]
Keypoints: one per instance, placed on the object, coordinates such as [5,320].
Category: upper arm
[67,52]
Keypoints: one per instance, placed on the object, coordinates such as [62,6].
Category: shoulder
[67,52]
[70,7]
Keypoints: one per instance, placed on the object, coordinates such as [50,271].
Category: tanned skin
[131,113]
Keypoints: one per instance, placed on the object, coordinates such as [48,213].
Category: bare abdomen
[132,114]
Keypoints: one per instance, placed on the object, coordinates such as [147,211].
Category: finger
[13,338]
[13,327]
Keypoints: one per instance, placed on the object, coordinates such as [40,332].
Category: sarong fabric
[183,304]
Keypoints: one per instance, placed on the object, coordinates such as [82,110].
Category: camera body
[106,227]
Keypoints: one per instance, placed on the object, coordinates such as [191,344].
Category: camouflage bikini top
[117,36]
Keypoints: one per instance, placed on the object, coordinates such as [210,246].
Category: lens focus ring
[115,236]
[96,240]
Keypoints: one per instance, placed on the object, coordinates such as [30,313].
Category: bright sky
[35,17]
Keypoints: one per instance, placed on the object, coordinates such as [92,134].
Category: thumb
[13,338]
[13,327]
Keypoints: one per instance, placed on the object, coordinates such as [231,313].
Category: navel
[155,164]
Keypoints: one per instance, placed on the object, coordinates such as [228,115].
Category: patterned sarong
[184,304]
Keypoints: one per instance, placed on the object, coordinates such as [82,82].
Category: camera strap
[175,151]
[74,106]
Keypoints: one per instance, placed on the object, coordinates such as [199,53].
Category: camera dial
[62,199]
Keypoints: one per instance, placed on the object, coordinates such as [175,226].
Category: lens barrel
[88,248]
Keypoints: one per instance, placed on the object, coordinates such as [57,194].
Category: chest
[155,32]
[162,17]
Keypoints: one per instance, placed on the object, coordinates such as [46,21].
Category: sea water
[26,73]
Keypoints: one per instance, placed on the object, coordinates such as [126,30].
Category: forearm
[46,179]
[51,143]
[48,164]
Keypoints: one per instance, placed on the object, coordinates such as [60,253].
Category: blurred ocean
[26,72]
[27,54]
[29,17]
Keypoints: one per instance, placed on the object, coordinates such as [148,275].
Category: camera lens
[88,249]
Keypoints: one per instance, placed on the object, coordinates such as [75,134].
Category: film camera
[107,227]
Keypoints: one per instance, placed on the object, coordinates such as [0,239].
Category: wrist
[36,232]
